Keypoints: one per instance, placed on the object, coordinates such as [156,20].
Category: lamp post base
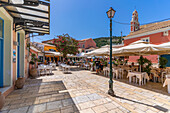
[111,92]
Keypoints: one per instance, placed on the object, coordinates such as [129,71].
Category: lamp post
[110,15]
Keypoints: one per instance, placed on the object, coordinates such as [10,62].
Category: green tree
[66,45]
[33,59]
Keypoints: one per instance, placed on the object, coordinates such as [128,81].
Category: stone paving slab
[84,92]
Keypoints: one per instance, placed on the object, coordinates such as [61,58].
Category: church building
[153,33]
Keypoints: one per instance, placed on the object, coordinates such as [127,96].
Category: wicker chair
[155,75]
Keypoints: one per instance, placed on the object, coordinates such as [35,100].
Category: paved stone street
[84,92]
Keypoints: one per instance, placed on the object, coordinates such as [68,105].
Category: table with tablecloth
[114,70]
[106,71]
[167,82]
[139,75]
[86,66]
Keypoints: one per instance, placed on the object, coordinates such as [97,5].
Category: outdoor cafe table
[86,66]
[167,82]
[53,65]
[65,67]
[106,70]
[116,72]
[139,75]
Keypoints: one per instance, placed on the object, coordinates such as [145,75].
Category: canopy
[142,48]
[81,55]
[34,49]
[70,55]
[137,48]
[103,51]
[164,48]
[53,53]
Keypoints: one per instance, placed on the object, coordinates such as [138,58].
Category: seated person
[133,64]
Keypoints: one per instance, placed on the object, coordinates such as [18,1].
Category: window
[40,58]
[52,50]
[83,46]
[165,33]
[146,39]
[52,59]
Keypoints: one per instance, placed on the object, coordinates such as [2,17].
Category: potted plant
[126,62]
[19,83]
[148,65]
[2,100]
[115,62]
[33,70]
[144,61]
[141,63]
[162,62]
[105,63]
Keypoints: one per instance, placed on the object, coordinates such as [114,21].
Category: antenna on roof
[121,38]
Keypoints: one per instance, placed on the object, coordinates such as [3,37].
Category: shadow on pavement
[40,96]
[151,86]
[155,106]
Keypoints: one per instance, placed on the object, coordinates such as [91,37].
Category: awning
[142,48]
[34,49]
[103,51]
[81,55]
[53,53]
[33,19]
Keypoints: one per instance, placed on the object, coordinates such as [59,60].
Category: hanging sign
[14,56]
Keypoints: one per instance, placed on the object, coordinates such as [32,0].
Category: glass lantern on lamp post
[110,15]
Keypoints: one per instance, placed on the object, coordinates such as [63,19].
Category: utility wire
[141,24]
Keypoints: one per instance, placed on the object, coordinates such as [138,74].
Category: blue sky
[87,18]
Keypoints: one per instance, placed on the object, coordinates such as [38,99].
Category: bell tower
[134,22]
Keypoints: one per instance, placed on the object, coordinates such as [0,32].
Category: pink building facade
[154,33]
[86,44]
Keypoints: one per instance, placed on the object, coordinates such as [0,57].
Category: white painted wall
[8,48]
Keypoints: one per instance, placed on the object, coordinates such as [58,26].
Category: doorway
[1,51]
[18,55]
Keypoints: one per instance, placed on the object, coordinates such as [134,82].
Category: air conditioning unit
[165,33]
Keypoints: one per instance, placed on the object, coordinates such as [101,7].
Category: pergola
[31,18]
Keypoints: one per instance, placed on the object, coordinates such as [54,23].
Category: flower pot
[2,100]
[20,83]
[34,72]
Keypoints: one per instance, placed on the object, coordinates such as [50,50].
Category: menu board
[1,28]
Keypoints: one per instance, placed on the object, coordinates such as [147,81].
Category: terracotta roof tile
[84,39]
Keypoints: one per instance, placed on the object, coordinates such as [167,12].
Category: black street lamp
[110,15]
